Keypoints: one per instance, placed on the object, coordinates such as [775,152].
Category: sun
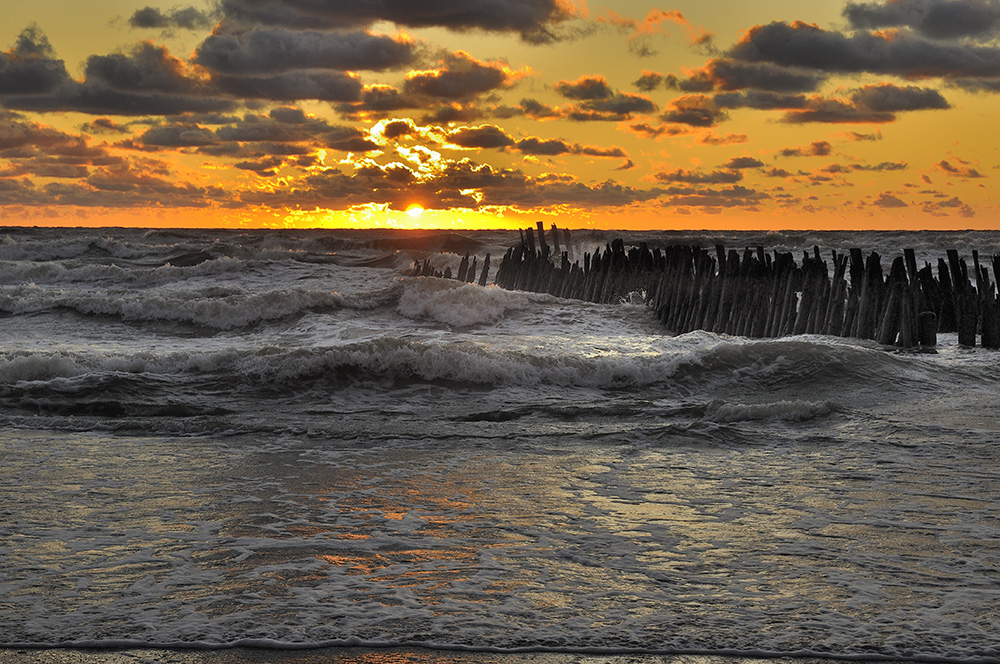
[415,211]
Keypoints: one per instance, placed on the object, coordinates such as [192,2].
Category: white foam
[458,304]
[776,411]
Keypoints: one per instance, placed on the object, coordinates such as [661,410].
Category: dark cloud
[649,81]
[937,19]
[729,75]
[536,21]
[270,51]
[814,149]
[619,107]
[145,81]
[30,67]
[737,163]
[105,126]
[598,101]
[186,18]
[256,135]
[543,147]
[887,200]
[694,110]
[552,147]
[333,86]
[870,104]
[735,196]
[729,139]
[856,136]
[485,136]
[616,107]
[946,207]
[902,54]
[760,100]
[99,100]
[593,151]
[378,101]
[453,112]
[881,167]
[893,99]
[460,76]
[147,68]
[962,170]
[697,177]
[178,136]
[587,88]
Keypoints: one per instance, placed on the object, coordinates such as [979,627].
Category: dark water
[281,439]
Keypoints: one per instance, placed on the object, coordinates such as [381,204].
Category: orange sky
[499,113]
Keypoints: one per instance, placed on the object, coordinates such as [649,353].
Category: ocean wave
[776,411]
[215,307]
[74,272]
[459,304]
[474,361]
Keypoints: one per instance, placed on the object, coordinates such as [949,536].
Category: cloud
[586,88]
[936,19]
[947,207]
[729,75]
[105,126]
[653,24]
[178,136]
[461,184]
[735,196]
[536,21]
[484,136]
[814,149]
[268,51]
[553,147]
[255,135]
[293,86]
[738,163]
[30,67]
[461,76]
[887,200]
[697,177]
[145,81]
[963,170]
[760,100]
[880,167]
[898,53]
[694,110]
[378,100]
[597,100]
[186,18]
[729,139]
[649,81]
[869,104]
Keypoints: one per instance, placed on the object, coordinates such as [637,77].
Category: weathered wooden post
[927,332]
[484,275]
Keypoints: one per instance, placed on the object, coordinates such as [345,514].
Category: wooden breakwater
[762,294]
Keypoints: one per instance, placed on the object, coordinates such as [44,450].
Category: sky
[468,114]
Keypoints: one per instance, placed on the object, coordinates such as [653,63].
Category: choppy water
[281,439]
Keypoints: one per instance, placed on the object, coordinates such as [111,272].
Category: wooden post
[484,275]
[927,333]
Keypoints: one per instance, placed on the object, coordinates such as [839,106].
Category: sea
[283,440]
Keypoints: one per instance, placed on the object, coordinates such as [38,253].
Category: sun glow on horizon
[415,211]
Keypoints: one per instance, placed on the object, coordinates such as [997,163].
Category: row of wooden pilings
[769,294]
